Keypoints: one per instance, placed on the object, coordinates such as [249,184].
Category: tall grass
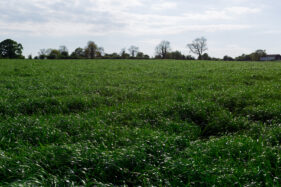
[137,122]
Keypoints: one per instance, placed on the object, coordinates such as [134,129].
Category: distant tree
[42,54]
[189,57]
[227,58]
[133,50]
[48,51]
[141,55]
[78,53]
[205,56]
[10,49]
[256,56]
[30,56]
[112,56]
[176,55]
[91,50]
[53,54]
[198,46]
[146,57]
[63,52]
[124,54]
[63,48]
[100,52]
[215,59]
[243,57]
[158,57]
[115,56]
[163,49]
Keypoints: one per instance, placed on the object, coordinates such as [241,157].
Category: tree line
[91,51]
[13,50]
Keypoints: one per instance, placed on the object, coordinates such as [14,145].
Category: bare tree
[48,51]
[124,54]
[133,51]
[100,52]
[42,54]
[63,52]
[63,49]
[198,46]
[163,49]
[123,51]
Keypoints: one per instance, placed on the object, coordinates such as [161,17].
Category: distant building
[271,58]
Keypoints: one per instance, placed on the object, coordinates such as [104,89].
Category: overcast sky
[232,27]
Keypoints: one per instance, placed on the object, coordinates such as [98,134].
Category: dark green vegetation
[135,122]
[10,49]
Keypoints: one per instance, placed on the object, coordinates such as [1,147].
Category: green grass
[134,122]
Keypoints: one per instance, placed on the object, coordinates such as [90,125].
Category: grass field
[116,122]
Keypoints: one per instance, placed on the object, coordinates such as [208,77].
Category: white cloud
[164,6]
[137,19]
[94,17]
[271,32]
[229,13]
[179,29]
[242,10]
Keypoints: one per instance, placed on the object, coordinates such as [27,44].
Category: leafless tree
[124,54]
[100,52]
[198,46]
[123,50]
[163,49]
[48,51]
[133,50]
[63,49]
[42,52]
